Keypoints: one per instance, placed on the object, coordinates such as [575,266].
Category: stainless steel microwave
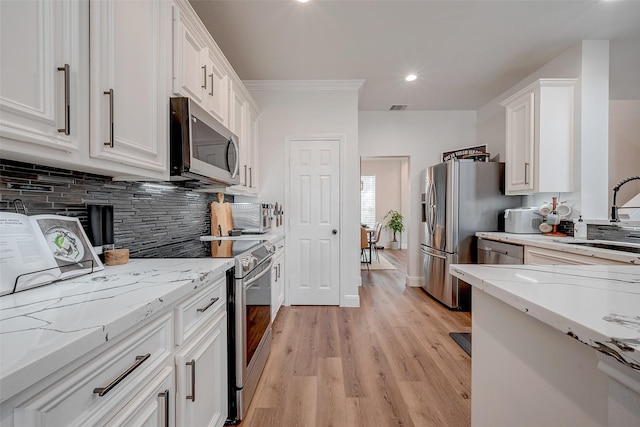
[200,147]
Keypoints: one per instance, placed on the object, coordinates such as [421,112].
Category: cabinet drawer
[196,310]
[118,372]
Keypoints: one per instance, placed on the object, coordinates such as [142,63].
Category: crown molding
[310,85]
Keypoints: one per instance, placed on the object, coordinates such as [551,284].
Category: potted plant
[395,223]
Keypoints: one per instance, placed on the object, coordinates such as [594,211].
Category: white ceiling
[465,53]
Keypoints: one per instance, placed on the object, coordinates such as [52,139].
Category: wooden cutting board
[221,224]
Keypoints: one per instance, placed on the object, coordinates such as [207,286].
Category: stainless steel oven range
[249,330]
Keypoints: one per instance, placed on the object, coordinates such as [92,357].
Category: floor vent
[398,107]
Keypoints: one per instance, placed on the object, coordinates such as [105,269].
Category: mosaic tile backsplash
[150,219]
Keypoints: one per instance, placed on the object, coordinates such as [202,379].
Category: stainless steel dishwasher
[492,252]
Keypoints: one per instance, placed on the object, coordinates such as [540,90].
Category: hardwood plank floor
[390,362]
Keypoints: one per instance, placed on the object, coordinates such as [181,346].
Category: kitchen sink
[634,248]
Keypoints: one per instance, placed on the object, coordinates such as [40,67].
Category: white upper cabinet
[190,58]
[128,91]
[243,119]
[539,138]
[43,109]
[217,89]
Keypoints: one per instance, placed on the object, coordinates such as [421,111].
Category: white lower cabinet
[94,391]
[201,376]
[152,407]
[539,256]
[277,279]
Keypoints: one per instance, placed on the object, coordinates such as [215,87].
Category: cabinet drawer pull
[165,396]
[526,173]
[204,69]
[110,93]
[67,100]
[193,380]
[206,307]
[250,177]
[101,391]
[211,76]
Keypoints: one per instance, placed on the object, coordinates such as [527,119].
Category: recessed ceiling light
[302,1]
[411,77]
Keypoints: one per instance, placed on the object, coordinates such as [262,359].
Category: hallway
[388,363]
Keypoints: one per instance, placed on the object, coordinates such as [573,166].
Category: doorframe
[345,300]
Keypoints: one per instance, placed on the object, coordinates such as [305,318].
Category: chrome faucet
[614,207]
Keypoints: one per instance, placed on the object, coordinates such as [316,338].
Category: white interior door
[314,199]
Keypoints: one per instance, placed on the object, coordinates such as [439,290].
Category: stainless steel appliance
[201,148]
[459,198]
[249,313]
[522,220]
[492,252]
[252,217]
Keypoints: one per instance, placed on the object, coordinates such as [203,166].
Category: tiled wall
[150,219]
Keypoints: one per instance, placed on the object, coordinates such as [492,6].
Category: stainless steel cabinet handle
[193,380]
[211,76]
[206,307]
[204,68]
[245,174]
[165,396]
[67,100]
[101,391]
[110,93]
[526,173]
[250,177]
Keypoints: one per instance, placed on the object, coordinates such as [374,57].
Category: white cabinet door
[519,148]
[278,278]
[152,407]
[539,256]
[539,138]
[129,111]
[201,376]
[237,126]
[251,142]
[44,64]
[189,62]
[217,89]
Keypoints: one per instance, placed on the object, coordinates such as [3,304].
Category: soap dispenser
[580,229]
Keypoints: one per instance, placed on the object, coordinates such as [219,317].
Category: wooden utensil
[221,224]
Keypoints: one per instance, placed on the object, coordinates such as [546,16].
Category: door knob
[334,231]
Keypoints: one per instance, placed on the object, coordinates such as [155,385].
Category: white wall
[624,147]
[391,190]
[421,136]
[295,111]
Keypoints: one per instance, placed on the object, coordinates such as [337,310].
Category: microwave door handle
[234,172]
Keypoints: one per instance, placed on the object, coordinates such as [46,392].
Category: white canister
[580,229]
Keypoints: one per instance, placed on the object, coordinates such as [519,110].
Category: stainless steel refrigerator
[459,198]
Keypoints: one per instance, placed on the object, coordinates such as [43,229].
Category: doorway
[391,177]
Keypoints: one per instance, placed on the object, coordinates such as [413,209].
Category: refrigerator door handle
[432,254]
[431,217]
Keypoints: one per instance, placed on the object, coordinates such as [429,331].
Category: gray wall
[150,219]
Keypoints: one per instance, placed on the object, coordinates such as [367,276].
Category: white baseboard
[350,301]
[413,281]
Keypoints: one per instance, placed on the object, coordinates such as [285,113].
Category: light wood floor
[388,363]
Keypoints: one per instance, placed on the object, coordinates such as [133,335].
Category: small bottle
[580,229]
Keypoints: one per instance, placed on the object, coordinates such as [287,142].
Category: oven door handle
[251,281]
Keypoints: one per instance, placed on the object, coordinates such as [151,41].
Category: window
[368,201]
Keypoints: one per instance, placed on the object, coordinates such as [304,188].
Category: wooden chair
[364,245]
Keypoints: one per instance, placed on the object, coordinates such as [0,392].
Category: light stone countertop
[598,305]
[45,328]
[562,244]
